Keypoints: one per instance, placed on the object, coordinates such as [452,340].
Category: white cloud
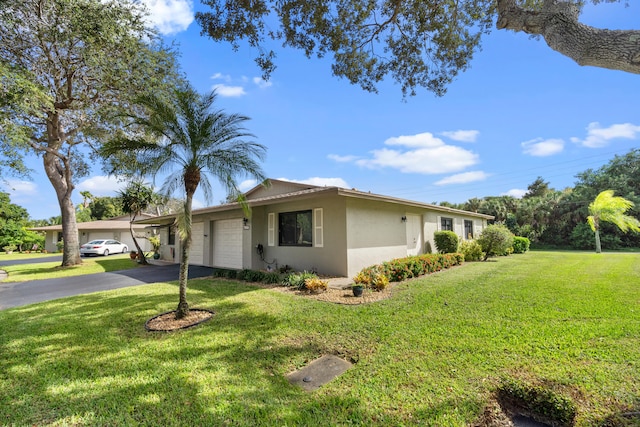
[229,91]
[462,135]
[597,136]
[425,139]
[464,178]
[342,159]
[220,76]
[170,16]
[102,185]
[515,192]
[426,155]
[261,83]
[247,184]
[322,182]
[542,148]
[21,188]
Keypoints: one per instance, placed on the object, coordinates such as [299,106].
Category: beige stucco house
[331,230]
[115,228]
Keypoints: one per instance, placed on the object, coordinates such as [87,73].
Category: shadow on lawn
[88,360]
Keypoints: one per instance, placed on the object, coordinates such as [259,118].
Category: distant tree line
[557,218]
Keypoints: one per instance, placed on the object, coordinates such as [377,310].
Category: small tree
[135,199]
[606,207]
[192,141]
[496,239]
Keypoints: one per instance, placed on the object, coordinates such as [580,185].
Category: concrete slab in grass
[319,372]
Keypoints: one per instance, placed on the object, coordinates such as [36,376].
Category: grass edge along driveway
[433,354]
[53,269]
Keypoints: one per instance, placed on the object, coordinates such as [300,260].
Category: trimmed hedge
[520,245]
[446,241]
[401,269]
[248,275]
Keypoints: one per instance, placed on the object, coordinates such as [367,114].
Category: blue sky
[520,111]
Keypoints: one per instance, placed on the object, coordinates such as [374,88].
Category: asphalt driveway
[24,293]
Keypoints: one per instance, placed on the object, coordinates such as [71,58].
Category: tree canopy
[419,43]
[14,221]
[74,67]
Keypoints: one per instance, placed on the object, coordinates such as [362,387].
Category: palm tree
[190,141]
[608,208]
[135,198]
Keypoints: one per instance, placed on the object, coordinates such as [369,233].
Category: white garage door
[227,243]
[197,241]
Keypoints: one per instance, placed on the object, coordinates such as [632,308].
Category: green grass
[433,354]
[50,270]
[21,256]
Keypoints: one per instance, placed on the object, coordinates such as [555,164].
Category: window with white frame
[446,224]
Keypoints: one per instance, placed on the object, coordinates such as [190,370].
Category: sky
[519,112]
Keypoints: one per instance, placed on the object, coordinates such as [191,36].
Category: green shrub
[230,274]
[254,276]
[541,401]
[496,239]
[471,250]
[242,274]
[296,280]
[446,241]
[582,237]
[520,245]
[10,248]
[401,269]
[271,278]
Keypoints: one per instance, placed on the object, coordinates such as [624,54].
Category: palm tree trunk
[185,247]
[598,248]
[141,258]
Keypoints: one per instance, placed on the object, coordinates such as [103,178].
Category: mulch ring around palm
[167,322]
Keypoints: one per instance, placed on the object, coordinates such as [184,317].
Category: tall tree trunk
[598,248]
[185,247]
[58,170]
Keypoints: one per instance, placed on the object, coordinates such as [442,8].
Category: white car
[103,247]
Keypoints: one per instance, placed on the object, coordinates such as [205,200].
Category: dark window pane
[295,228]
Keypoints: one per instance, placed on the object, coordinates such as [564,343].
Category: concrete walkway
[340,283]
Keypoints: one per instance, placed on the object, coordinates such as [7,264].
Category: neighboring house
[114,228]
[331,230]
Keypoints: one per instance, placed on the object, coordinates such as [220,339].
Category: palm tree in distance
[190,141]
[136,197]
[609,208]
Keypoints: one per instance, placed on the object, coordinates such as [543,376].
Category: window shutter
[318,241]
[439,223]
[271,229]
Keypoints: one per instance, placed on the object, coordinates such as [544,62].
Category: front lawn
[51,270]
[23,255]
[433,354]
